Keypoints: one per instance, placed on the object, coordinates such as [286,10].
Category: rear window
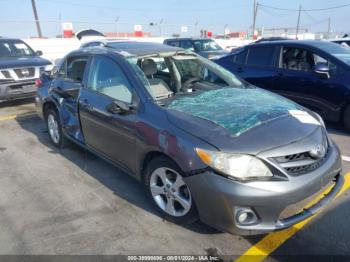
[260,56]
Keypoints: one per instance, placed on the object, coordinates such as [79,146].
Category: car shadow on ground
[17,102]
[110,176]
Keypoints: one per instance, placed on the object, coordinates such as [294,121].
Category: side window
[320,60]
[260,56]
[187,44]
[75,68]
[106,77]
[61,72]
[174,43]
[300,59]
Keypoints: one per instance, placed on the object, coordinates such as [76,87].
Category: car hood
[29,61]
[249,120]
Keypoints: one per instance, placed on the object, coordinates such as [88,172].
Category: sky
[16,18]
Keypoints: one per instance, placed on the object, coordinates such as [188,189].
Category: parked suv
[20,66]
[205,47]
[204,144]
[315,74]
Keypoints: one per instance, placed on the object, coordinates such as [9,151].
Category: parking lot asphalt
[71,202]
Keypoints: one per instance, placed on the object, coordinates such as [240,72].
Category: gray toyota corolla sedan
[205,144]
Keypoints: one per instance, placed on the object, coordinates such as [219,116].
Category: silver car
[204,144]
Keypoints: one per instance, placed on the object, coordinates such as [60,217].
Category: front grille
[25,72]
[301,163]
[6,74]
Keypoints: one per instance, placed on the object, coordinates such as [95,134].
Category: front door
[298,81]
[110,134]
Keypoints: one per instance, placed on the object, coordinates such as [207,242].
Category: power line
[135,9]
[309,10]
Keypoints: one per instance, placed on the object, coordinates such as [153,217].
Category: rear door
[110,134]
[260,67]
[70,76]
[256,64]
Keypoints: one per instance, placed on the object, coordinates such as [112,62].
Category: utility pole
[60,25]
[116,26]
[36,19]
[298,23]
[160,26]
[255,13]
[329,28]
[195,27]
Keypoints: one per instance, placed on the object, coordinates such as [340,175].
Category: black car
[198,138]
[205,47]
[20,66]
[313,73]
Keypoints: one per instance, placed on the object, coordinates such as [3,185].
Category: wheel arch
[148,157]
[47,105]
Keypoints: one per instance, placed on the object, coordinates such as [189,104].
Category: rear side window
[73,68]
[187,44]
[260,56]
[173,43]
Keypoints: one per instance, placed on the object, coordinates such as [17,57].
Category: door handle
[85,104]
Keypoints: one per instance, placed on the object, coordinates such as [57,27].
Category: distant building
[126,34]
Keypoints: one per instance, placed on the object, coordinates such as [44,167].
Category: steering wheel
[189,82]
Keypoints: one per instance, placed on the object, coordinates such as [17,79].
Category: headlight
[235,165]
[49,67]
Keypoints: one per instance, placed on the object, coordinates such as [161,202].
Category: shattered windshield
[235,109]
[180,73]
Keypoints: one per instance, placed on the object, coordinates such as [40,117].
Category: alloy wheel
[170,192]
[53,127]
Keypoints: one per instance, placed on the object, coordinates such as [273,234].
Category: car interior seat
[158,87]
[305,62]
[289,60]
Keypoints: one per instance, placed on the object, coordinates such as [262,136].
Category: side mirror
[321,69]
[70,92]
[39,53]
[119,107]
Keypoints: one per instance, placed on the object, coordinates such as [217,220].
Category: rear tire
[346,118]
[168,191]
[54,128]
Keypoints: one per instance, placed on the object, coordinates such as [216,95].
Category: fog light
[245,216]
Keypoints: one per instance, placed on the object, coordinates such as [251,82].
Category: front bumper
[17,89]
[218,199]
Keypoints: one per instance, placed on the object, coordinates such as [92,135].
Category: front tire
[54,128]
[346,118]
[168,191]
